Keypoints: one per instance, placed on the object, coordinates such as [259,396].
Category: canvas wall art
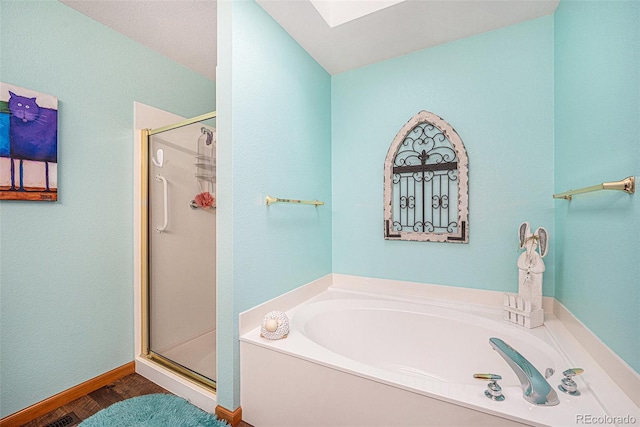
[28,144]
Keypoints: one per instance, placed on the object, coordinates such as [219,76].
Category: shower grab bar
[166,206]
[272,200]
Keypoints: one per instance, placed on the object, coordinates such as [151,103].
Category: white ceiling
[185,30]
[405,27]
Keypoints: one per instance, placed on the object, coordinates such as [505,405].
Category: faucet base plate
[572,393]
[499,398]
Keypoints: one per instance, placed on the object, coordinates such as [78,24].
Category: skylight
[338,12]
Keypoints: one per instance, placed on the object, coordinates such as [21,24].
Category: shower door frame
[147,353]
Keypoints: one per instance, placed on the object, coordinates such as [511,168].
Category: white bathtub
[353,359]
[411,342]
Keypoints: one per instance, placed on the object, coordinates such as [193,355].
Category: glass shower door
[181,251]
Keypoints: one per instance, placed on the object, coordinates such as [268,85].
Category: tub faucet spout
[535,388]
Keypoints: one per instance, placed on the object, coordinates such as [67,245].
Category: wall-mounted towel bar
[272,200]
[628,185]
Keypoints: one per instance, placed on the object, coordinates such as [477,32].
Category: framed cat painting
[28,144]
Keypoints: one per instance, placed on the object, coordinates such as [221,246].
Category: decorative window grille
[426,183]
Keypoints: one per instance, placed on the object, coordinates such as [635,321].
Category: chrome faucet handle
[493,391]
[568,385]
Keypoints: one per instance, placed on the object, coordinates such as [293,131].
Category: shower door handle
[165,202]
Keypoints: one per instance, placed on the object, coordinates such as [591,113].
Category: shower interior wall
[182,259]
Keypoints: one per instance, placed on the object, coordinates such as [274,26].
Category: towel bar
[272,200]
[627,185]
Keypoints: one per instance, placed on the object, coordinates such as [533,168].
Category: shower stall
[178,242]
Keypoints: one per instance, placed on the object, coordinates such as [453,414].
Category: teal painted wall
[496,90]
[275,140]
[66,306]
[597,134]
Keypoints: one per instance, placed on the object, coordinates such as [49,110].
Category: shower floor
[198,354]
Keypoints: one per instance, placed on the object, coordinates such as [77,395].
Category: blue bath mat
[153,410]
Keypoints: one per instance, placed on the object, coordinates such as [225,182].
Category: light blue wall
[597,120]
[275,140]
[496,90]
[66,305]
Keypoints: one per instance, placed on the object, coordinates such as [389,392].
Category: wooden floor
[130,386]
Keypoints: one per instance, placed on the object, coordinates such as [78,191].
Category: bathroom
[523,98]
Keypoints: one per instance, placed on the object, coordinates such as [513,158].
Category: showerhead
[209,134]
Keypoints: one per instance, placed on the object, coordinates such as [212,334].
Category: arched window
[426,183]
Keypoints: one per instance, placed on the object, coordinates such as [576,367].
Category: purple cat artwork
[28,145]
[34,130]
